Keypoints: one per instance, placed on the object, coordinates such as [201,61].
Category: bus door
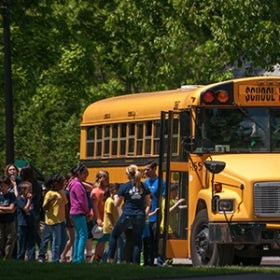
[173,169]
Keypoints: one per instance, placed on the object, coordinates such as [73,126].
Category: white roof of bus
[138,106]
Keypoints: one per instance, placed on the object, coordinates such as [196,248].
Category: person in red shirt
[100,185]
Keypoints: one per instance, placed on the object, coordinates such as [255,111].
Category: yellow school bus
[220,143]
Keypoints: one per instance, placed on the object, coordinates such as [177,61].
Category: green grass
[18,270]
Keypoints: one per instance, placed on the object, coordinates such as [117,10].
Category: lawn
[19,270]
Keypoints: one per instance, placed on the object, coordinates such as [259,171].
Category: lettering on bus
[196,166]
[259,95]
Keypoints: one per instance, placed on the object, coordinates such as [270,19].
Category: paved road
[267,261]
[248,276]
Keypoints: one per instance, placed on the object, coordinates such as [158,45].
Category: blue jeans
[120,249]
[46,238]
[150,245]
[137,222]
[81,235]
[26,242]
[58,233]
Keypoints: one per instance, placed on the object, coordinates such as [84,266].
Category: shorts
[90,225]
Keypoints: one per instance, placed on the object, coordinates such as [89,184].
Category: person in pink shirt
[79,211]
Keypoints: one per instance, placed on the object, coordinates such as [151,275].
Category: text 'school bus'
[220,144]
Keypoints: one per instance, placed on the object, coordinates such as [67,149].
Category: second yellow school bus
[220,143]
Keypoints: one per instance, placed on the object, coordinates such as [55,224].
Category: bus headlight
[225,205]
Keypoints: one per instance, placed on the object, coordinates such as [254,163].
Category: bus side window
[90,142]
[148,137]
[98,146]
[123,139]
[175,142]
[131,138]
[114,140]
[139,139]
[107,138]
[156,138]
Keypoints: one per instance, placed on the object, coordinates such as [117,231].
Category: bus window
[131,138]
[107,138]
[275,130]
[156,138]
[90,142]
[139,139]
[148,137]
[175,137]
[123,139]
[114,139]
[98,146]
[233,130]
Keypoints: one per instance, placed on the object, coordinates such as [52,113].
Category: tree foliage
[67,54]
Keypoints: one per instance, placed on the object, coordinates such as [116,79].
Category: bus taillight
[222,96]
[208,96]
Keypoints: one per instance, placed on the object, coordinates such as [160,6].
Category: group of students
[74,209]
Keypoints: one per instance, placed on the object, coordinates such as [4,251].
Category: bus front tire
[202,251]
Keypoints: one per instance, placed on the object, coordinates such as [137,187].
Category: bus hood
[250,167]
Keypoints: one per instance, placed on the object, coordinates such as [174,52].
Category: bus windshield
[241,130]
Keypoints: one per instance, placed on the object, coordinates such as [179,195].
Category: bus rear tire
[204,253]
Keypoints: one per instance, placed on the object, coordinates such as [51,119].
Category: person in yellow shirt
[54,205]
[111,215]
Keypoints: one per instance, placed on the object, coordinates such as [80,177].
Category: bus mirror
[215,166]
[189,144]
[185,123]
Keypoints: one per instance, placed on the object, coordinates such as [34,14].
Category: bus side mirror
[189,144]
[214,167]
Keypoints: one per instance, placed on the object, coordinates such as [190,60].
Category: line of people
[75,211]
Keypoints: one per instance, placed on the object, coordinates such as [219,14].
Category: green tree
[67,54]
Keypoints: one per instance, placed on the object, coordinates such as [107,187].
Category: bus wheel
[202,251]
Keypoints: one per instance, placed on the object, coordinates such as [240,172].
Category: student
[54,205]
[7,219]
[12,172]
[111,216]
[79,211]
[100,185]
[135,197]
[26,222]
[69,225]
[175,204]
[150,242]
[27,174]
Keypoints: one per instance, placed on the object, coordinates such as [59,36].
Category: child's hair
[52,180]
[100,174]
[24,185]
[5,180]
[79,168]
[134,173]
[174,187]
[151,163]
[110,189]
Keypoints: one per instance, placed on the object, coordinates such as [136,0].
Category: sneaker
[168,262]
[63,260]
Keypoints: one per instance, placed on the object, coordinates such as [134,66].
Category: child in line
[111,216]
[55,202]
[26,222]
[7,219]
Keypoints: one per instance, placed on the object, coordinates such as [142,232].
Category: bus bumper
[242,233]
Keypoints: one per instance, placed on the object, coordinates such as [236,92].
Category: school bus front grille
[267,199]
